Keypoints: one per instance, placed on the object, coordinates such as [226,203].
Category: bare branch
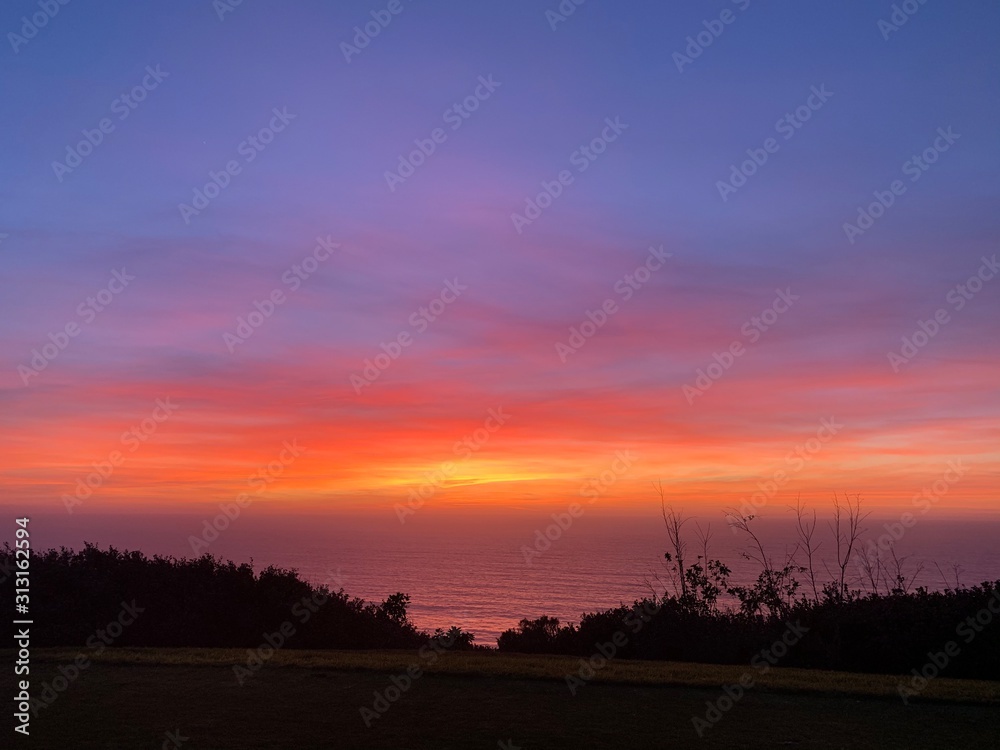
[674,521]
[806,528]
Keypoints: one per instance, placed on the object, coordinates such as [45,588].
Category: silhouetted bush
[201,602]
[869,621]
[856,633]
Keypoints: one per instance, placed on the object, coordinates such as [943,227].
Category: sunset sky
[449,262]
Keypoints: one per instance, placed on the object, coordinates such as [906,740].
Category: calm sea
[471,571]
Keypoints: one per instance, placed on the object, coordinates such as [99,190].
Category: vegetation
[494,664]
[204,602]
[860,613]
[311,699]
[864,615]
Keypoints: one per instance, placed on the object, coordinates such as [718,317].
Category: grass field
[312,699]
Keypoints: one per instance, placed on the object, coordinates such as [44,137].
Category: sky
[498,256]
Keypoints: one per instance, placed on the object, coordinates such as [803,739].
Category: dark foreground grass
[302,699]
